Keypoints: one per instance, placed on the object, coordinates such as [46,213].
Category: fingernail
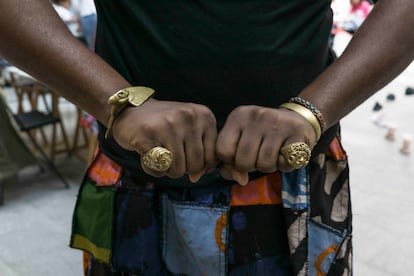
[195,177]
[241,178]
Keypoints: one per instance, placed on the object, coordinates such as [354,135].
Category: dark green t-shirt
[218,53]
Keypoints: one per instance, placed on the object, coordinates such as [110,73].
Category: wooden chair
[14,152]
[35,120]
[31,93]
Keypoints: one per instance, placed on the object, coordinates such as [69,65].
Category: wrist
[308,114]
[313,109]
[131,96]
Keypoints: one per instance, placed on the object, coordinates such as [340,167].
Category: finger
[267,159]
[195,177]
[226,145]
[229,172]
[179,164]
[210,159]
[194,154]
[209,143]
[283,165]
[247,151]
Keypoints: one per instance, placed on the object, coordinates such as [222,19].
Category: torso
[218,54]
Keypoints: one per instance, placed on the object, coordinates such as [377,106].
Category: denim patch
[295,189]
[194,237]
[324,244]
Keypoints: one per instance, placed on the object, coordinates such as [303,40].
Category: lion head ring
[296,154]
[158,159]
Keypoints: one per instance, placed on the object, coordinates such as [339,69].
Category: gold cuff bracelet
[135,96]
[307,114]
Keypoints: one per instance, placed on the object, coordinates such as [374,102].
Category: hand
[188,130]
[252,137]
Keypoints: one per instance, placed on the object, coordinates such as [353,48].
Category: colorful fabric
[189,249]
[264,190]
[87,121]
[153,230]
[336,151]
[93,220]
[259,229]
[136,240]
[104,171]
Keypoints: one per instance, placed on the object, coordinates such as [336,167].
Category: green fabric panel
[93,220]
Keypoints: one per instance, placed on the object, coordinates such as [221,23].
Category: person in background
[358,12]
[86,11]
[219,129]
[63,9]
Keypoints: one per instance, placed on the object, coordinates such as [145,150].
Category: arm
[41,45]
[381,49]
[36,40]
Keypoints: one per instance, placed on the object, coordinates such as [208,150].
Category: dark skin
[252,136]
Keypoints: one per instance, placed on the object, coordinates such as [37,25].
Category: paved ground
[382,182]
[36,219]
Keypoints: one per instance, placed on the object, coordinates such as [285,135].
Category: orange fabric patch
[336,151]
[264,190]
[221,224]
[103,171]
[86,261]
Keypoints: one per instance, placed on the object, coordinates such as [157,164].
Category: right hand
[188,130]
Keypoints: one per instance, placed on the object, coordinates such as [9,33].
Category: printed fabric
[296,223]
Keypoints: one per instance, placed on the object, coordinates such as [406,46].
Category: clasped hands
[250,140]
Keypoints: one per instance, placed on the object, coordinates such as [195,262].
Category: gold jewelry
[297,154]
[135,96]
[307,114]
[312,108]
[158,159]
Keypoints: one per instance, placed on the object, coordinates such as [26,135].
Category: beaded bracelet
[313,109]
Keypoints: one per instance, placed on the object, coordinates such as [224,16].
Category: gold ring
[297,154]
[158,159]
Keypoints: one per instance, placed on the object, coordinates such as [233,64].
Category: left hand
[252,137]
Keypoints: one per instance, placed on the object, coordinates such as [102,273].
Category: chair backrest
[12,146]
[28,91]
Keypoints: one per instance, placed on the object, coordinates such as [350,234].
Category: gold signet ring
[297,154]
[157,159]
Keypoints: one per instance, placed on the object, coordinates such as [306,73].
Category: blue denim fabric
[295,189]
[324,243]
[189,249]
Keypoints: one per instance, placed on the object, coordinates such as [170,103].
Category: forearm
[381,49]
[36,40]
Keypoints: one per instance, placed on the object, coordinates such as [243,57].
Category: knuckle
[266,166]
[223,151]
[244,167]
[195,166]
[175,173]
[210,164]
